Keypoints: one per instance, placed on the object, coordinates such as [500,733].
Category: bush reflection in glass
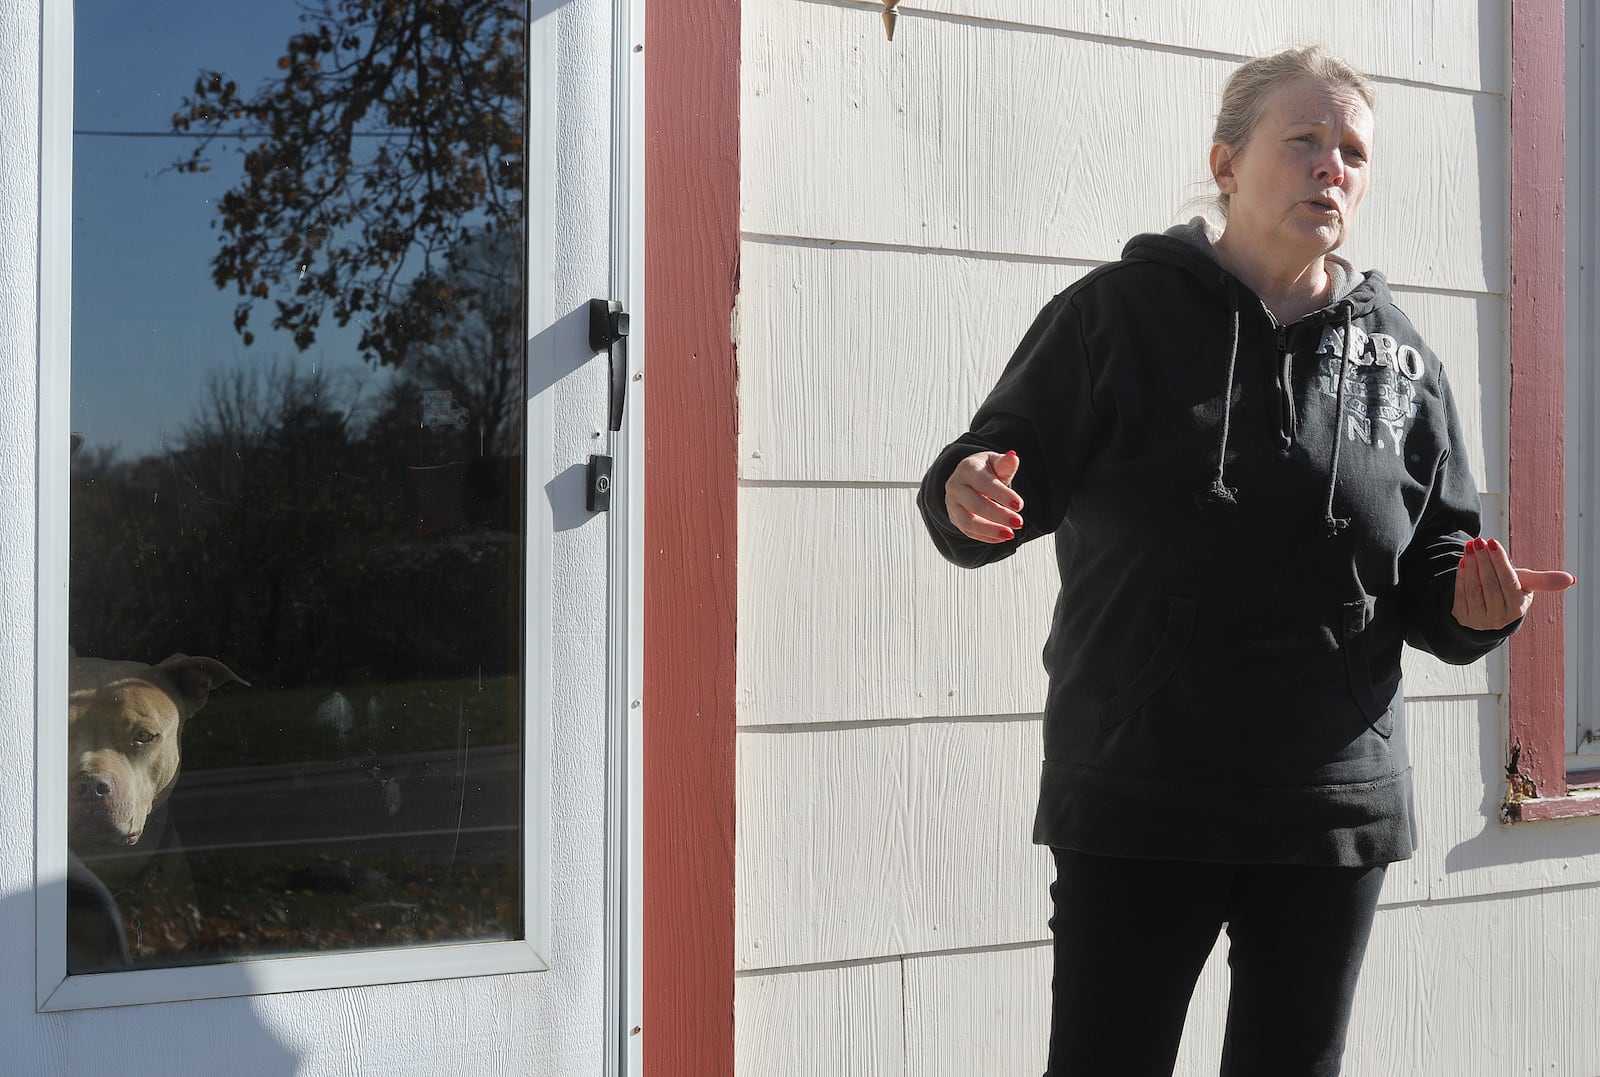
[297,388]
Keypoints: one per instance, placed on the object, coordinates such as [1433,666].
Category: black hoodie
[1250,519]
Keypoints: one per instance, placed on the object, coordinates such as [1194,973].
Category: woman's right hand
[979,500]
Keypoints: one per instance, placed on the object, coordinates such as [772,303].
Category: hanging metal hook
[890,16]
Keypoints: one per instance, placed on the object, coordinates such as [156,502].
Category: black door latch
[597,495]
[608,332]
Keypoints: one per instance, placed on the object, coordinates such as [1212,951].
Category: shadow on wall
[1499,845]
[182,1039]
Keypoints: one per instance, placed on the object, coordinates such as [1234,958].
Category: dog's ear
[194,678]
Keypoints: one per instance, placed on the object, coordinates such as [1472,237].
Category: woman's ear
[1222,156]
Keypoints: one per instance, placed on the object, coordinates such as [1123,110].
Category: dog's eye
[144,736]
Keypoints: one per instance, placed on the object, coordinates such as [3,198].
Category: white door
[349,514]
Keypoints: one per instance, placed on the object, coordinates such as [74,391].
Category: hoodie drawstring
[1219,493]
[1332,524]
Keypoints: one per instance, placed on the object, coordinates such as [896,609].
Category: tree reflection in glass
[298,330]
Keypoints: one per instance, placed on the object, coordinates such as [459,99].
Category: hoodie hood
[1189,246]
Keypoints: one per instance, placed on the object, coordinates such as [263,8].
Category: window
[1583,381]
[1551,693]
[291,559]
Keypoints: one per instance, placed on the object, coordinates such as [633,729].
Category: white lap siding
[907,208]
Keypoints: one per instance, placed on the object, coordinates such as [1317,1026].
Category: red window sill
[1583,798]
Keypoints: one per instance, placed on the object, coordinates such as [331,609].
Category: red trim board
[1538,385]
[690,533]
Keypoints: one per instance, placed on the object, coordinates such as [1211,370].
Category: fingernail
[1009,534]
[1494,544]
[1011,452]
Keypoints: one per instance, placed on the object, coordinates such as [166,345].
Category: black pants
[1131,937]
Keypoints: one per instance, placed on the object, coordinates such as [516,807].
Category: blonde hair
[1245,94]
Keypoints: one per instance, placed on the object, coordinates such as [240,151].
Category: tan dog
[124,721]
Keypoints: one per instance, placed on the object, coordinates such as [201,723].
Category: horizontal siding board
[885,840]
[1459,750]
[1428,678]
[1452,43]
[908,838]
[857,365]
[913,837]
[821,1023]
[936,143]
[1468,332]
[1481,988]
[847,613]
[1406,882]
[983,1012]
[987,1012]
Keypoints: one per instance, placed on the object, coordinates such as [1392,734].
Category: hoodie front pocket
[1280,680]
[1158,668]
[1357,616]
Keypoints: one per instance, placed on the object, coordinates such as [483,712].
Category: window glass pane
[297,494]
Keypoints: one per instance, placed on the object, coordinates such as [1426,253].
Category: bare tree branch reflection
[325,222]
[480,361]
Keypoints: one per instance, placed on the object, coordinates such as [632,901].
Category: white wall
[907,208]
[546,1024]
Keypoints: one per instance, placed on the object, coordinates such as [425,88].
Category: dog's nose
[91,787]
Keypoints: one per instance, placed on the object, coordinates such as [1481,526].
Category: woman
[1255,476]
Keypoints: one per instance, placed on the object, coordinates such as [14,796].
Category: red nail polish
[1009,534]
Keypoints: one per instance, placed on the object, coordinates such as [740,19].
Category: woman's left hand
[1490,593]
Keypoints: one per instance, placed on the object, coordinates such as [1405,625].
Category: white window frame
[1583,383]
[54,988]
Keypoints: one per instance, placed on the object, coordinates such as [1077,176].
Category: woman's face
[1298,181]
